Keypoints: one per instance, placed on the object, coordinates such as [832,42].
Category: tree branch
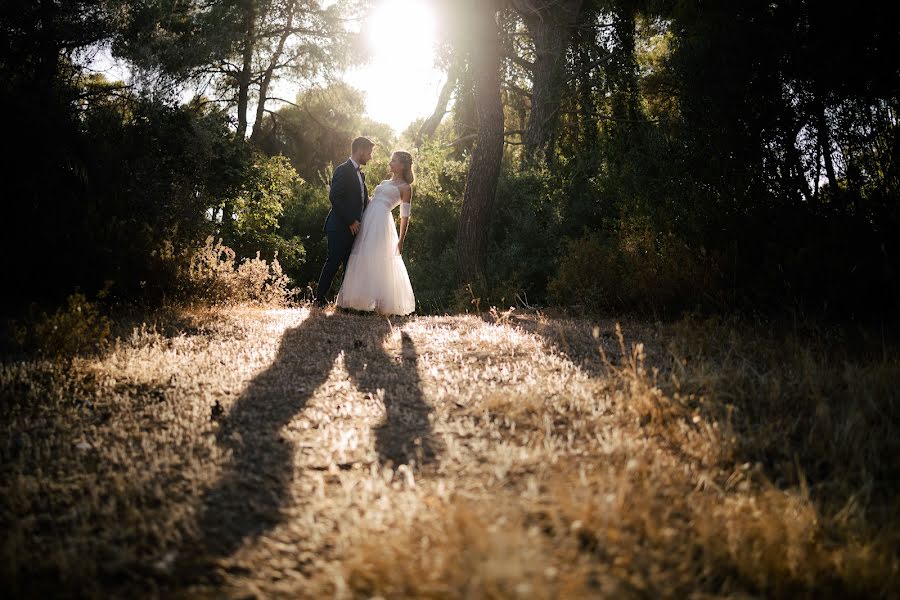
[589,67]
[103,90]
[281,31]
[285,101]
[430,125]
[514,88]
[473,136]
[310,113]
[608,118]
[529,66]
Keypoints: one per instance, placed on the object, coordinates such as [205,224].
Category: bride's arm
[405,198]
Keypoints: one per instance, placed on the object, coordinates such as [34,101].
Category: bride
[376,278]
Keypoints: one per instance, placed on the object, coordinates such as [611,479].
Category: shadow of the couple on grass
[249,497]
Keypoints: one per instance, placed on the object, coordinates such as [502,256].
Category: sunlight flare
[400,82]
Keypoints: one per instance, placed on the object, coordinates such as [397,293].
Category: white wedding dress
[376,277]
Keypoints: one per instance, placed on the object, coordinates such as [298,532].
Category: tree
[240,47]
[483,51]
[550,25]
[430,125]
[315,130]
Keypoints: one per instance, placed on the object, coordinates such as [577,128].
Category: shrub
[76,328]
[263,283]
[211,274]
[635,269]
[430,247]
[302,220]
[269,185]
[525,240]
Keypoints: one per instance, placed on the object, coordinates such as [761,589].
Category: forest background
[691,207]
[606,156]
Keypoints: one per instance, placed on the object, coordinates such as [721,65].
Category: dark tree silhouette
[484,168]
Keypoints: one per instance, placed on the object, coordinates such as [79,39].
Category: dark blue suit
[347,205]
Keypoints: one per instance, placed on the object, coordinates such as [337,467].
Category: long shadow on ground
[248,499]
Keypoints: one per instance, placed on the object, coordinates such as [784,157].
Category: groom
[348,196]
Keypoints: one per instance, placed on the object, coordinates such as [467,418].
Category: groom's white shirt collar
[355,164]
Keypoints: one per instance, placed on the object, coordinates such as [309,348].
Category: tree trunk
[624,76]
[243,82]
[550,26]
[267,76]
[825,146]
[464,118]
[795,166]
[586,99]
[246,72]
[49,46]
[431,123]
[484,168]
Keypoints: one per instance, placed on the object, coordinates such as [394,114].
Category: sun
[400,82]
[401,23]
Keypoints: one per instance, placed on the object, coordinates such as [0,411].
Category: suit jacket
[346,198]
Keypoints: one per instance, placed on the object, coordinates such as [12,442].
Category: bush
[525,240]
[132,172]
[78,327]
[211,274]
[263,283]
[269,184]
[430,246]
[636,269]
[303,220]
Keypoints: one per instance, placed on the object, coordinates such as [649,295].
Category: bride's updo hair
[405,159]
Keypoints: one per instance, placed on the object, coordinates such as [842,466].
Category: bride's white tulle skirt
[376,277]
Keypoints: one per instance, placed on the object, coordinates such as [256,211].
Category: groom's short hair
[361,143]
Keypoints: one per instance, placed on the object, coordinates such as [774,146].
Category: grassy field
[289,453]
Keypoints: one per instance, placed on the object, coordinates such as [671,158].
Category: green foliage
[269,183]
[525,236]
[316,133]
[430,248]
[119,176]
[714,147]
[176,37]
[303,219]
[633,269]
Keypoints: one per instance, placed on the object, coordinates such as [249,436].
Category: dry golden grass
[284,453]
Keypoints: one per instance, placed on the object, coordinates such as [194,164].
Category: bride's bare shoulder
[405,192]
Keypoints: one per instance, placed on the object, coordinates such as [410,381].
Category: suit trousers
[340,244]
